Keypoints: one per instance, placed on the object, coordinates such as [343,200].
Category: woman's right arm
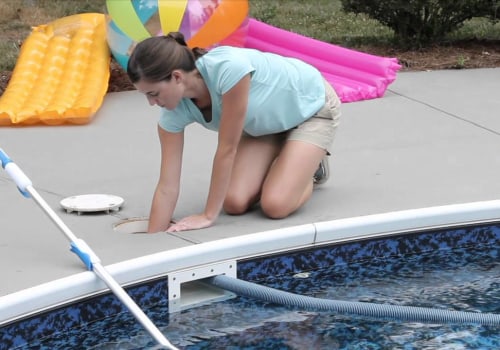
[167,190]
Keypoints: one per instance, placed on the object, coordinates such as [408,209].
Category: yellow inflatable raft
[61,75]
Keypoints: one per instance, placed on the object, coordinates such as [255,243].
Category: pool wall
[259,255]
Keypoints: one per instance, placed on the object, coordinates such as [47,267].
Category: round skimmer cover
[89,203]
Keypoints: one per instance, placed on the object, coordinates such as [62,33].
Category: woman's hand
[193,222]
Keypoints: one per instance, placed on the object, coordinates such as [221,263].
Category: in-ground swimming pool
[454,268]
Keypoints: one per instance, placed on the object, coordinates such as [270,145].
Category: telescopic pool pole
[80,248]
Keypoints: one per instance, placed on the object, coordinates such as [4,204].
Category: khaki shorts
[320,129]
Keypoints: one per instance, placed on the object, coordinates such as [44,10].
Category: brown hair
[155,58]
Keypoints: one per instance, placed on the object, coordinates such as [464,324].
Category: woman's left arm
[234,108]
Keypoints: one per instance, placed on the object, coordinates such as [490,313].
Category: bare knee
[236,204]
[276,206]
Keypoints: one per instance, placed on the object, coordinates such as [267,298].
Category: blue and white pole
[80,248]
[21,180]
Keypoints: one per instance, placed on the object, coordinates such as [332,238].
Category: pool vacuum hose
[378,311]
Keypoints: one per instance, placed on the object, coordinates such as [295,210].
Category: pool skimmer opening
[187,290]
[132,225]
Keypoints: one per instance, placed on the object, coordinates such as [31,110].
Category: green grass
[61,8]
[10,52]
[320,19]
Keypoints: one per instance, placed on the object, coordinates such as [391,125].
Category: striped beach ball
[204,23]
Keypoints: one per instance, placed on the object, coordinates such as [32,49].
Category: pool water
[465,278]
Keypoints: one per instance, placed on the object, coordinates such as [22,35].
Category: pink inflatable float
[354,75]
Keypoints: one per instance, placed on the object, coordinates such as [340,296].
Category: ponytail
[179,38]
[155,58]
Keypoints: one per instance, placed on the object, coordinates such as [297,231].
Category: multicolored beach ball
[204,23]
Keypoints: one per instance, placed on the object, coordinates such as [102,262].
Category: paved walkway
[434,139]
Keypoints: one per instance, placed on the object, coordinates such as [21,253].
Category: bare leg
[253,160]
[289,183]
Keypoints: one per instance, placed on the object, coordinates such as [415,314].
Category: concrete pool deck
[432,140]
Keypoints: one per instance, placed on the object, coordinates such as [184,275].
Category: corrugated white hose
[378,311]
[84,252]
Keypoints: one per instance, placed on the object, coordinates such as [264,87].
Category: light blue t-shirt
[283,91]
